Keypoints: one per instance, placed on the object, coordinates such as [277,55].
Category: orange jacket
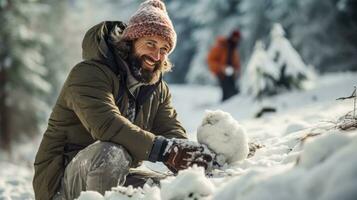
[217,57]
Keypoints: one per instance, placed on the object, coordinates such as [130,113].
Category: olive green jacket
[86,111]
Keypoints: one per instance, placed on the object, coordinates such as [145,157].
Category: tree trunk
[4,123]
[4,114]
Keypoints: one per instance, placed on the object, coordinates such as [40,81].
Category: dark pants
[228,87]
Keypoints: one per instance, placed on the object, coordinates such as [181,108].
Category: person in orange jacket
[224,62]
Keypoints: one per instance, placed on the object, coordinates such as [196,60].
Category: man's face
[149,53]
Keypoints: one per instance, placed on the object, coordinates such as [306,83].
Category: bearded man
[114,111]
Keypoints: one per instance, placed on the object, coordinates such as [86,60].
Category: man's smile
[149,64]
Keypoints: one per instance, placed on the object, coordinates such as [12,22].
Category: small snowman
[224,135]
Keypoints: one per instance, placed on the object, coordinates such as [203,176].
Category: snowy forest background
[41,40]
[297,58]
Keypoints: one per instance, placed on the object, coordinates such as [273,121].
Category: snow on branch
[277,69]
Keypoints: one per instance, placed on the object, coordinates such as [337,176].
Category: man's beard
[141,74]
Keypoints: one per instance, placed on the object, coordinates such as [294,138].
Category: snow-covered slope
[15,181]
[299,152]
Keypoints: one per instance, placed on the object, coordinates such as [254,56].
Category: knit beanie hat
[151,19]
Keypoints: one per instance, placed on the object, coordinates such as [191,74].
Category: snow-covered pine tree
[293,71]
[261,74]
[278,69]
[23,75]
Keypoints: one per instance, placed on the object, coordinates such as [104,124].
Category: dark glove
[178,154]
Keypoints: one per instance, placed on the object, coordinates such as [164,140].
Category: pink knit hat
[151,19]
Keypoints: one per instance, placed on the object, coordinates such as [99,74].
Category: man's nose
[155,55]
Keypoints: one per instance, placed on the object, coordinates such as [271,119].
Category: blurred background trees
[40,40]
[321,31]
[24,87]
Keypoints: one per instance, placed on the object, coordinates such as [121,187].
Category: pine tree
[276,70]
[261,74]
[293,70]
[22,71]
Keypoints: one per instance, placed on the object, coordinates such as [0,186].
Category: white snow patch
[296,126]
[318,149]
[15,181]
[332,178]
[127,193]
[189,184]
[90,195]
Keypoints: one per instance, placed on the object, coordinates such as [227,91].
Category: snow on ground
[15,181]
[299,152]
[16,171]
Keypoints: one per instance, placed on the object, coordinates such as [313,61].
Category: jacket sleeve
[213,60]
[89,93]
[165,121]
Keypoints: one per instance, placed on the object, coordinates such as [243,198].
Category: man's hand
[181,154]
[229,70]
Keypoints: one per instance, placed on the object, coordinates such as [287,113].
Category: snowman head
[224,135]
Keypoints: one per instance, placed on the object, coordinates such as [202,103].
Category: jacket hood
[95,43]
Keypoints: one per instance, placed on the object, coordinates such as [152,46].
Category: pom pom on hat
[154,3]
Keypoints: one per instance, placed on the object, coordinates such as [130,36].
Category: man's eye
[164,51]
[150,44]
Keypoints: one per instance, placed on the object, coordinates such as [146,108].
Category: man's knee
[98,167]
[110,156]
